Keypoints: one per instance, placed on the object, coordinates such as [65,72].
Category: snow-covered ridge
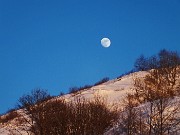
[114,90]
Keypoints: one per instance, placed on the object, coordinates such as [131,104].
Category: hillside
[114,91]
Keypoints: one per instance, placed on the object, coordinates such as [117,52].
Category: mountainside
[114,91]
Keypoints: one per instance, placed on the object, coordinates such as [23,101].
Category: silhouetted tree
[36,96]
[32,109]
[140,64]
[164,59]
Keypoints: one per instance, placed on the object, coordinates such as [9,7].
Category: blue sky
[55,44]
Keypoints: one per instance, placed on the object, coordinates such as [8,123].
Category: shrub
[126,73]
[73,90]
[67,118]
[76,89]
[36,96]
[102,81]
[164,59]
[10,116]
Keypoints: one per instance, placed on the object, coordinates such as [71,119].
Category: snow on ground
[114,90]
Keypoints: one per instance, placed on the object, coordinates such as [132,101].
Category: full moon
[105,42]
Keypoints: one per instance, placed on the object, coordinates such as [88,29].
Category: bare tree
[36,96]
[141,64]
[131,121]
[32,105]
[158,89]
[59,117]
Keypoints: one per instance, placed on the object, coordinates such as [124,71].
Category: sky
[56,44]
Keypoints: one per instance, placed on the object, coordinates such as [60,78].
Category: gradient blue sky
[55,44]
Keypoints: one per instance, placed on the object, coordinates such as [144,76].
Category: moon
[105,42]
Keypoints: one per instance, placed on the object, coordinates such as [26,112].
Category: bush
[126,73]
[76,89]
[102,81]
[36,96]
[10,116]
[61,94]
[78,117]
[73,90]
[164,59]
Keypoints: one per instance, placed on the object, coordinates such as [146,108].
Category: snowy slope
[114,90]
